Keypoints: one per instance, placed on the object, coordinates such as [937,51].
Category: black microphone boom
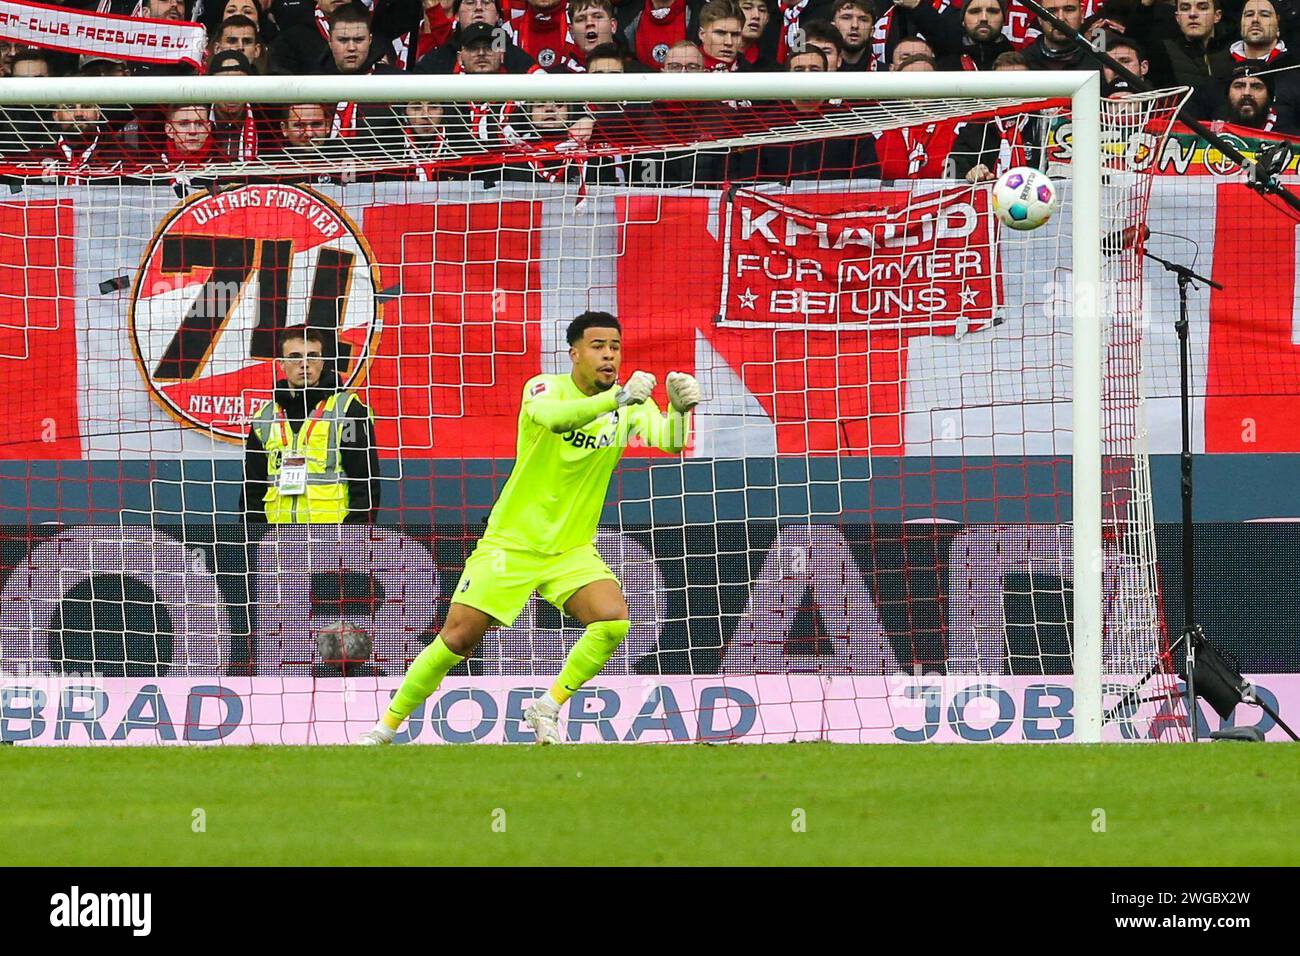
[1263,179]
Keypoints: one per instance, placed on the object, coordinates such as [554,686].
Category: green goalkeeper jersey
[569,444]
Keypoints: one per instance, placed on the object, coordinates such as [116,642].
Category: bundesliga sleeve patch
[537,389]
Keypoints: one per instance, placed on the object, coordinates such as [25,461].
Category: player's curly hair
[590,320]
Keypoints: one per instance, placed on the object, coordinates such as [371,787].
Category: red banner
[463,334]
[926,265]
[38,330]
[1252,381]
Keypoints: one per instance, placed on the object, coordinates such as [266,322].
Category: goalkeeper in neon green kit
[541,533]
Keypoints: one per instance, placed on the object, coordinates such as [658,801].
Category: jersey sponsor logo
[222,275]
[925,265]
[582,440]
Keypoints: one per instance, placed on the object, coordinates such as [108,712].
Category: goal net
[872,536]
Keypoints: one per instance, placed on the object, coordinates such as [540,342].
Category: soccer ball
[343,644]
[1023,198]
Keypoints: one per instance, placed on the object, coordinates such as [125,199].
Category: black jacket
[978,144]
[299,48]
[981,54]
[1174,60]
[443,59]
[1039,57]
[357,452]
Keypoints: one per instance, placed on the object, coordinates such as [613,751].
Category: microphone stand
[1191,633]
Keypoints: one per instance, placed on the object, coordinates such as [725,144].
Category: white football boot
[542,717]
[376,736]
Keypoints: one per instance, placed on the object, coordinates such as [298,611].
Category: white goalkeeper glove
[683,391]
[637,389]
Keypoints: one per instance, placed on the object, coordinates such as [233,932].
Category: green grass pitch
[591,804]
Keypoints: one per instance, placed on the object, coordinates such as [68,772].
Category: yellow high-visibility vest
[325,500]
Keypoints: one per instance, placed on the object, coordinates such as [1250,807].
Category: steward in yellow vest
[310,456]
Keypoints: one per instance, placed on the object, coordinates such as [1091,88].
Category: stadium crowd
[1232,53]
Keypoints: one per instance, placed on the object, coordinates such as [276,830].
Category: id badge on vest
[293,477]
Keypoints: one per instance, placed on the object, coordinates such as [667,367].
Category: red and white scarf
[345,121]
[919,151]
[1239,54]
[247,145]
[658,30]
[76,157]
[1011,149]
[790,29]
[545,37]
[138,39]
[200,157]
[486,119]
[714,65]
[424,160]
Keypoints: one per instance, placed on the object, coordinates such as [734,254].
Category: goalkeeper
[541,533]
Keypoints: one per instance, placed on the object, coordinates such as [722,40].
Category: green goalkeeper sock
[593,650]
[427,671]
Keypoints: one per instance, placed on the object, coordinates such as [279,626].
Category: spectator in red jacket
[435,29]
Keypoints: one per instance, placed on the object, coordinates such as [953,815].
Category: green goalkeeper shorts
[498,579]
